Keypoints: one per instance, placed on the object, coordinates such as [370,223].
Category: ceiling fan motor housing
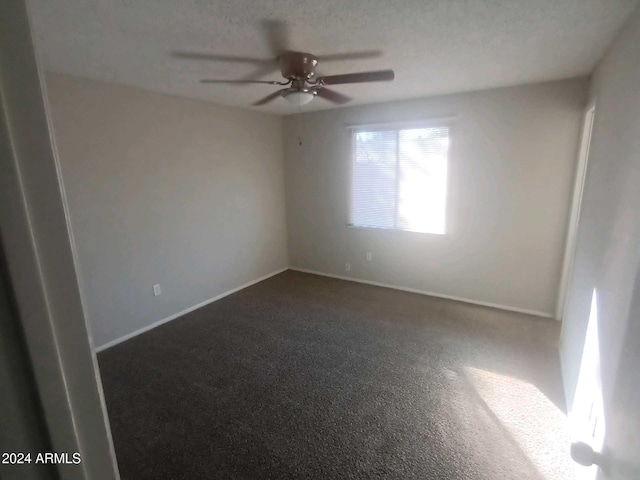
[297,65]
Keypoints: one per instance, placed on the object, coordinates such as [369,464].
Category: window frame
[447,122]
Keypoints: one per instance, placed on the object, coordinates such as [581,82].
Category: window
[400,178]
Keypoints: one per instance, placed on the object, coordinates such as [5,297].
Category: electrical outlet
[347,267]
[156,290]
[369,257]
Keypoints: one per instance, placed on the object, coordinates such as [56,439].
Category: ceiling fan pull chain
[299,124]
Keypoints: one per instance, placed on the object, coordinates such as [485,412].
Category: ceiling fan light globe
[299,98]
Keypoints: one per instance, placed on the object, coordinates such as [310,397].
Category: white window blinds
[400,179]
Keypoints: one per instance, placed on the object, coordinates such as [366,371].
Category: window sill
[396,230]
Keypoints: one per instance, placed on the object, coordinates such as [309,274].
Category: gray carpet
[302,376]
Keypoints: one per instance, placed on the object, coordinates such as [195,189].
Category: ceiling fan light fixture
[299,98]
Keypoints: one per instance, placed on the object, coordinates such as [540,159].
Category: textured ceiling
[434,46]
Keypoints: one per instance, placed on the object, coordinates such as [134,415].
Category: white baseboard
[431,294]
[185,311]
[314,272]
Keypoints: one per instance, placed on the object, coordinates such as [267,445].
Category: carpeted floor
[302,376]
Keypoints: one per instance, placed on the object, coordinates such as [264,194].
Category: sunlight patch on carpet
[539,427]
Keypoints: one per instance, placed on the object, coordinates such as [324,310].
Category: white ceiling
[434,46]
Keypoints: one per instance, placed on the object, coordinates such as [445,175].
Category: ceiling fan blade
[377,76]
[278,34]
[221,58]
[268,98]
[263,71]
[350,56]
[265,82]
[333,96]
[264,66]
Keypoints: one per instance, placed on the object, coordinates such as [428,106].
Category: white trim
[576,203]
[391,229]
[400,124]
[430,294]
[184,312]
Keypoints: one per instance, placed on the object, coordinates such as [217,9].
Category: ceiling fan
[297,68]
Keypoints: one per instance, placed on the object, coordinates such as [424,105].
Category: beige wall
[513,155]
[607,259]
[165,190]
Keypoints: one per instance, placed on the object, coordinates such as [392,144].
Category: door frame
[40,265]
[576,205]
